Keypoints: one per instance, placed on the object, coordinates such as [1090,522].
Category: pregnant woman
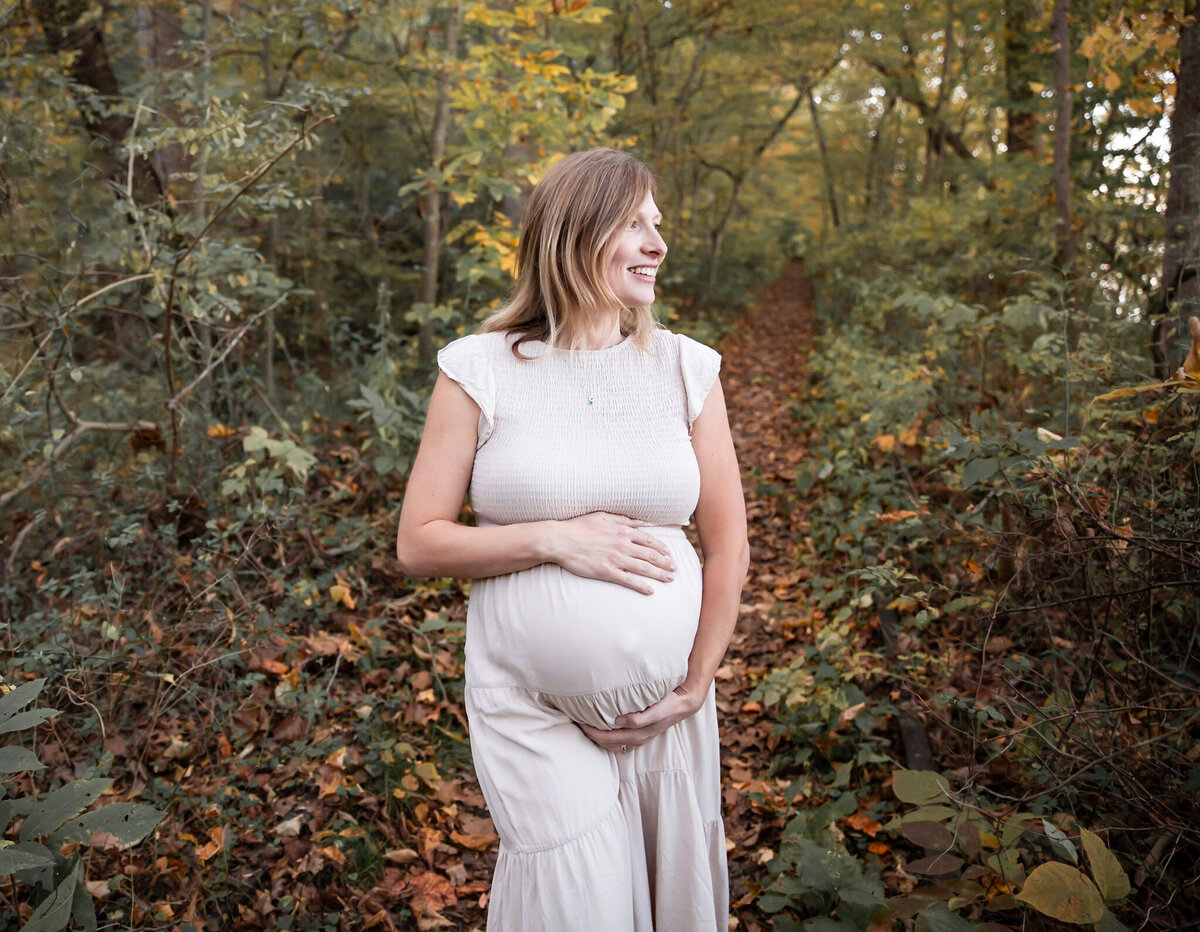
[587,438]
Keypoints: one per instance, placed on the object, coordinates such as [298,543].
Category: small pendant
[591,399]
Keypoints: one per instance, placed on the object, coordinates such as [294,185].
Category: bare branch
[80,428]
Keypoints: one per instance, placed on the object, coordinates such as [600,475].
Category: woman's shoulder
[680,344]
[481,341]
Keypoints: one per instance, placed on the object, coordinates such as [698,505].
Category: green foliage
[981,853]
[816,879]
[53,819]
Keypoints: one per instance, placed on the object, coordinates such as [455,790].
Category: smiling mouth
[646,271]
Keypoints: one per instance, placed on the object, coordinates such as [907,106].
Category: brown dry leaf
[432,892]
[850,713]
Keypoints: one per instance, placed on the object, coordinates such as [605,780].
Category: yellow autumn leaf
[340,593]
[337,759]
[885,442]
[220,430]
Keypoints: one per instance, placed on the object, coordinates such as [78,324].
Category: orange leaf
[337,759]
[330,785]
[879,848]
[216,845]
[220,430]
[891,517]
[885,442]
[428,841]
[474,842]
[864,823]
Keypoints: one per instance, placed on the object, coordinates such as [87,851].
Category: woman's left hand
[636,728]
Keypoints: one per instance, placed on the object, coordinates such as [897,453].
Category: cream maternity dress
[590,841]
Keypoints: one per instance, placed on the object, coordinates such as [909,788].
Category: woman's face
[640,250]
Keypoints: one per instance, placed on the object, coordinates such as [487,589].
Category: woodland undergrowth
[992,722]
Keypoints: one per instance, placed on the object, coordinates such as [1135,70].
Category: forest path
[764,376]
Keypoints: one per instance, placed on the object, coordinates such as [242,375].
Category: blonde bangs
[568,236]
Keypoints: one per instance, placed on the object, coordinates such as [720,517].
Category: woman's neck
[605,332]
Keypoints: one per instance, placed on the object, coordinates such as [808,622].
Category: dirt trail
[764,378]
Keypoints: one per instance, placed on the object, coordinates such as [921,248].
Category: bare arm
[430,541]
[721,521]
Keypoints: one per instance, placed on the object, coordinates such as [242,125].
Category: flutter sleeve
[466,361]
[699,365]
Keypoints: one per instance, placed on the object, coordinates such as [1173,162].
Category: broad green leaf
[23,720]
[13,859]
[1015,827]
[1106,869]
[55,910]
[1110,923]
[918,786]
[14,759]
[772,902]
[1062,892]
[64,803]
[83,910]
[940,919]
[930,814]
[16,699]
[937,864]
[128,823]
[932,835]
[978,470]
[825,924]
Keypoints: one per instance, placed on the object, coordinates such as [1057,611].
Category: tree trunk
[1181,255]
[431,220]
[1021,108]
[92,68]
[875,174]
[717,234]
[1064,240]
[826,167]
[268,350]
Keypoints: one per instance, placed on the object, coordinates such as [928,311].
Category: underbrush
[248,663]
[1007,568]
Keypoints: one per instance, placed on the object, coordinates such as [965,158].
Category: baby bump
[592,649]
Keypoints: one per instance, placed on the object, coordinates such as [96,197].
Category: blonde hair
[568,236]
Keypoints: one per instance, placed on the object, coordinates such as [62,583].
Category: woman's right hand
[611,548]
